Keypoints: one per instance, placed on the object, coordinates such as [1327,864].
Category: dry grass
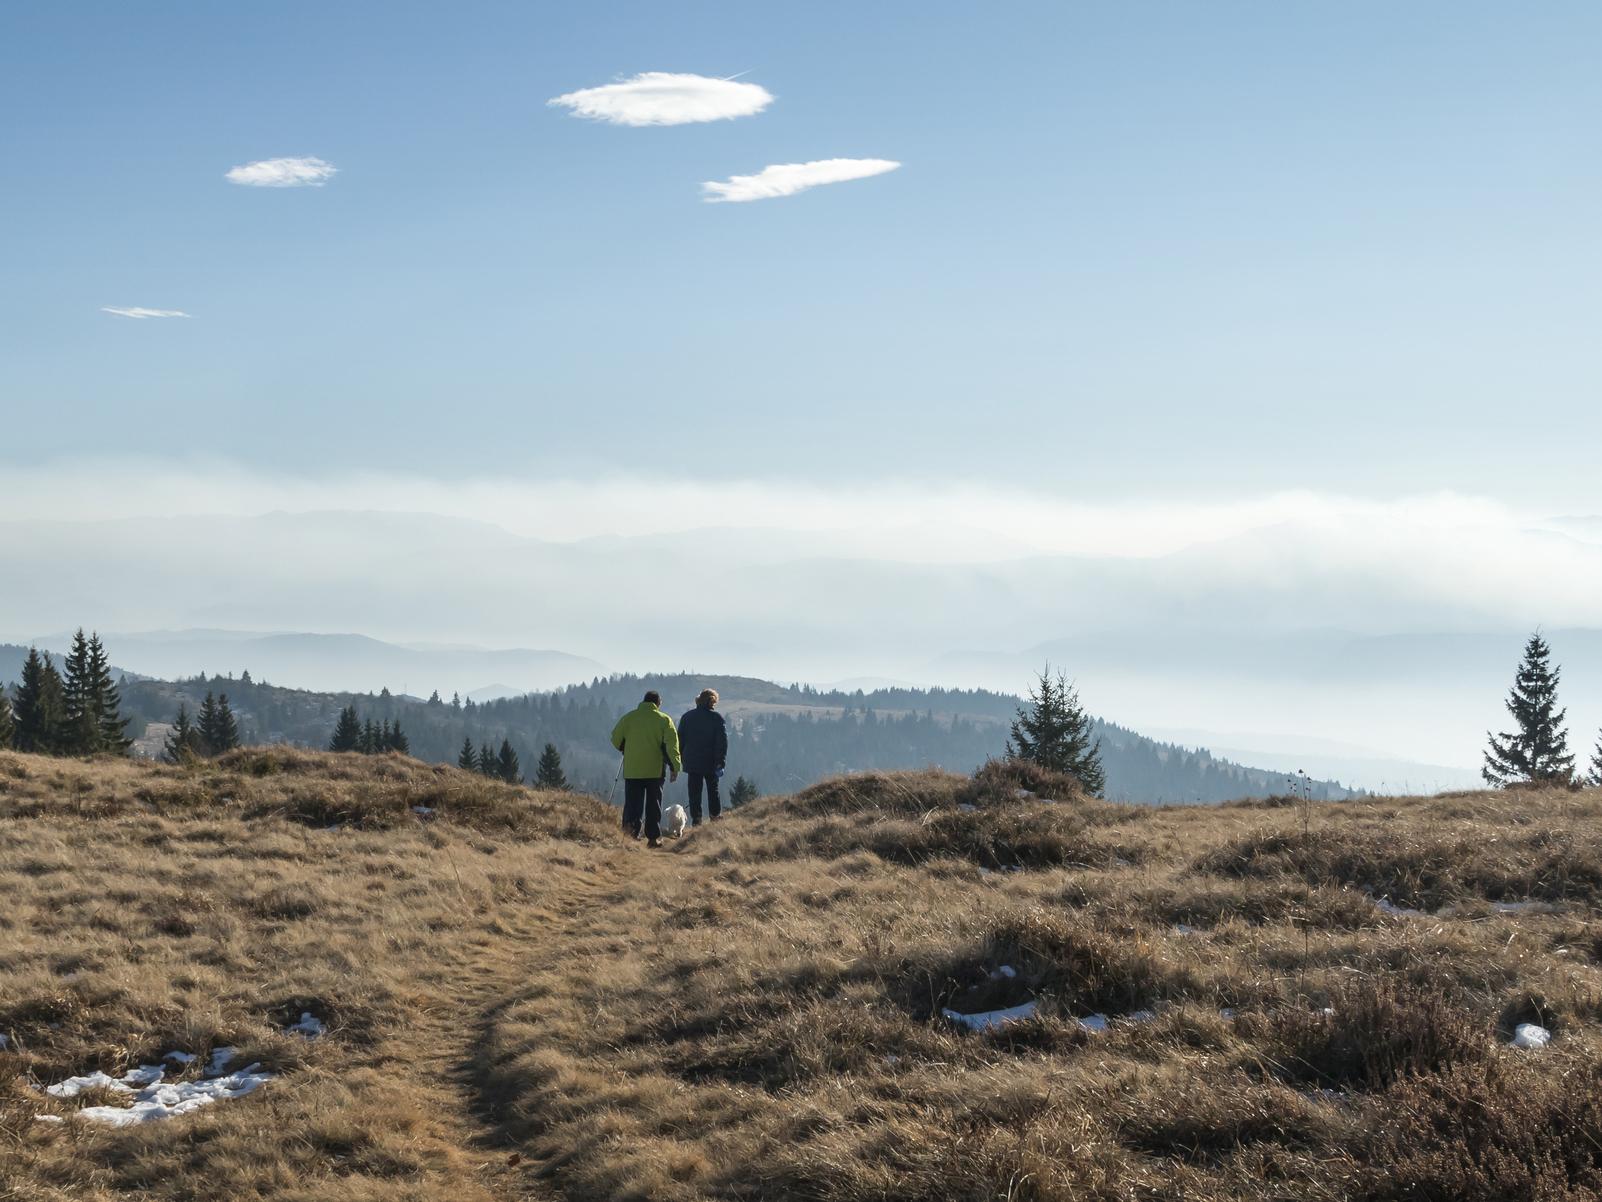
[757,1012]
[762,1016]
[150,908]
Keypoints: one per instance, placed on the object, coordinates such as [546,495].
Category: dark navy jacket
[703,741]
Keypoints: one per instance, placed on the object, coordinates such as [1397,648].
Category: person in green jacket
[650,745]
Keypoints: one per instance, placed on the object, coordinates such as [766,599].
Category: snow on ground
[1387,906]
[151,1096]
[423,811]
[1531,1035]
[990,1020]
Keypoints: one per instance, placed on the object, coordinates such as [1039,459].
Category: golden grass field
[520,1005]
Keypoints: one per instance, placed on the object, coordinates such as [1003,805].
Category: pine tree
[80,733]
[7,727]
[39,711]
[112,726]
[1053,731]
[1538,752]
[741,793]
[466,760]
[1596,763]
[486,760]
[227,736]
[183,741]
[206,723]
[347,731]
[506,765]
[548,774]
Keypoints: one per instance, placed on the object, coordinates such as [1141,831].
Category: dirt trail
[450,1021]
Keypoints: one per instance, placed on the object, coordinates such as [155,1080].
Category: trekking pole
[612,792]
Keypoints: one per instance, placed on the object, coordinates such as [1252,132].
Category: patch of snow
[309,1025]
[991,1020]
[1005,973]
[5,1042]
[1139,1016]
[1094,1023]
[221,1058]
[1023,794]
[1181,929]
[1517,907]
[1227,1012]
[423,811]
[160,1100]
[73,1086]
[967,807]
[47,1118]
[1531,1035]
[180,1057]
[1386,906]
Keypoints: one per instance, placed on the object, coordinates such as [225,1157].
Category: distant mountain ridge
[783,737]
[338,662]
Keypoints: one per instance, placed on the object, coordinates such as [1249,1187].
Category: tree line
[72,710]
[1537,751]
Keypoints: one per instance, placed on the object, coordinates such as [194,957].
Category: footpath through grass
[1245,1002]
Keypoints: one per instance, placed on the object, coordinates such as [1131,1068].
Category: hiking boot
[653,843]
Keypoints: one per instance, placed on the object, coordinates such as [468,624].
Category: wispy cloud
[142,313]
[786,179]
[666,98]
[282,173]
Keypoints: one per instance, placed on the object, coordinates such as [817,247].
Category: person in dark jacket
[704,744]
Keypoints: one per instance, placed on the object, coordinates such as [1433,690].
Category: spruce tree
[398,740]
[227,727]
[1538,751]
[467,760]
[506,765]
[38,713]
[7,727]
[80,733]
[548,773]
[487,764]
[369,739]
[207,724]
[183,741]
[113,727]
[742,792]
[1053,731]
[1596,763]
[347,731]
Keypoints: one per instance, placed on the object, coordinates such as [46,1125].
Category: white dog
[673,821]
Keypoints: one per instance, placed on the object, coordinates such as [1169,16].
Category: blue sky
[1134,250]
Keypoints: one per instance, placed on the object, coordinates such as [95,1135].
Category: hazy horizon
[1235,355]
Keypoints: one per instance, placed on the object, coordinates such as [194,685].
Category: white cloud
[142,313]
[786,179]
[666,98]
[283,173]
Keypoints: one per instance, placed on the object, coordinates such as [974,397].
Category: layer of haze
[1239,356]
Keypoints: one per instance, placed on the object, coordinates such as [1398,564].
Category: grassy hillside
[1242,1002]
[152,909]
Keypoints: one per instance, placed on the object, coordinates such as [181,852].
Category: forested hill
[781,737]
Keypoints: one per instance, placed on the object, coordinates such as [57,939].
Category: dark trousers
[643,798]
[714,803]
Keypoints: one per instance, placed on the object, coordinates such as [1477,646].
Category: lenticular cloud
[282,173]
[666,98]
[786,179]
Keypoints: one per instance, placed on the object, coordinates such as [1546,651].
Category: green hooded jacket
[649,742]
